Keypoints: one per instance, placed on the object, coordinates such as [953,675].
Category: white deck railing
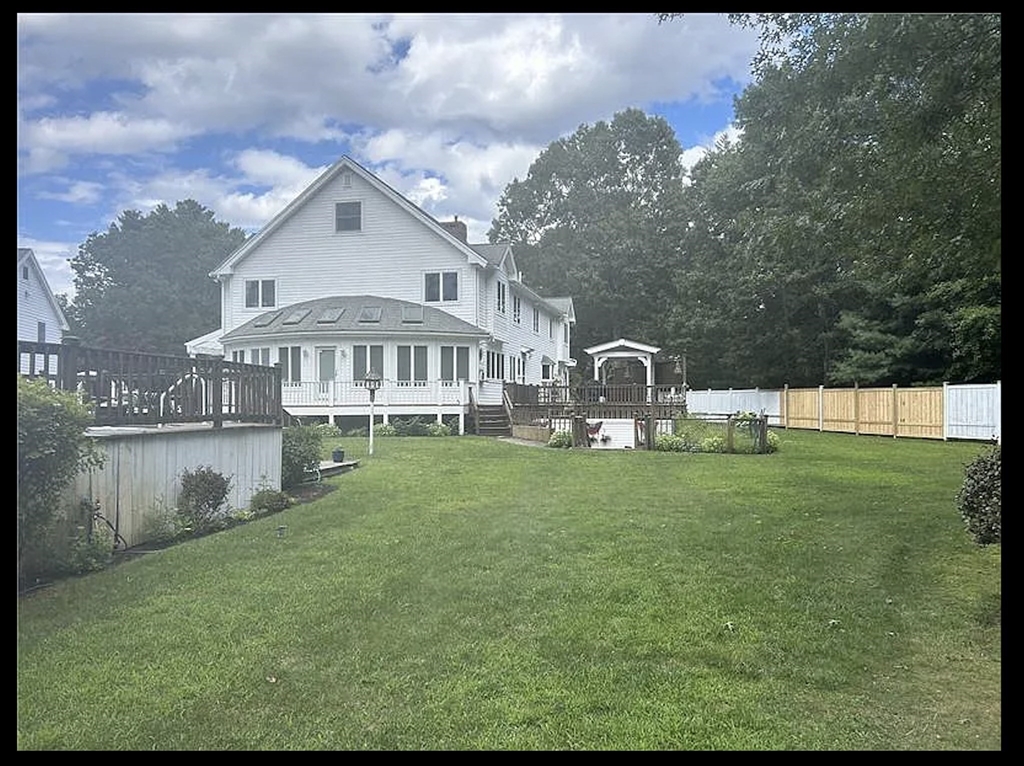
[341,393]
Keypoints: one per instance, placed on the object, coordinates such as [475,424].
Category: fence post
[821,408]
[945,409]
[277,407]
[785,406]
[999,412]
[217,392]
[895,413]
[856,409]
[67,361]
[730,425]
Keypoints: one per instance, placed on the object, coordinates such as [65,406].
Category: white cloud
[694,154]
[78,193]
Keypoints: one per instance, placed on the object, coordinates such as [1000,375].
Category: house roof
[326,177]
[565,305]
[322,317]
[494,254]
[622,344]
[25,255]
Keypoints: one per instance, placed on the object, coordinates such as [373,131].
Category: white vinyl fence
[728,401]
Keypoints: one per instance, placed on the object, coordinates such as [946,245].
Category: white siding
[34,307]
[388,257]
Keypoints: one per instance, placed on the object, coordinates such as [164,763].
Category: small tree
[52,450]
[980,498]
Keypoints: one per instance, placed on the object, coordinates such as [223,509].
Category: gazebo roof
[622,344]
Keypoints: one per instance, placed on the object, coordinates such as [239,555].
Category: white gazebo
[623,349]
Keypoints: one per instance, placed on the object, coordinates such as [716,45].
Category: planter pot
[338,456]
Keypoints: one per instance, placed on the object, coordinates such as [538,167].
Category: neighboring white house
[352,275]
[39,317]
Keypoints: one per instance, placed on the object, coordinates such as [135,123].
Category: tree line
[852,234]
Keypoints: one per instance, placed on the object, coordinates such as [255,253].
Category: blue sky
[241,112]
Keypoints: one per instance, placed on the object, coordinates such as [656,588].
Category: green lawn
[465,593]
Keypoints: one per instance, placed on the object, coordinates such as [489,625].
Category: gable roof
[622,344]
[565,305]
[500,256]
[326,177]
[26,256]
[309,317]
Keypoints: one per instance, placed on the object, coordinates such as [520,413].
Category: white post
[821,408]
[999,412]
[945,411]
[371,422]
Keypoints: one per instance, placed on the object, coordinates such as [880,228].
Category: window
[260,356]
[551,327]
[370,314]
[238,356]
[24,273]
[260,293]
[495,365]
[565,332]
[290,359]
[438,286]
[297,316]
[348,216]
[545,371]
[360,356]
[41,332]
[501,297]
[536,320]
[517,309]
[454,363]
[412,365]
[412,315]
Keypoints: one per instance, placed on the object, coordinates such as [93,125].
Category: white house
[351,276]
[39,317]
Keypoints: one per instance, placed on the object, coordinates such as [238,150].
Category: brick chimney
[456,228]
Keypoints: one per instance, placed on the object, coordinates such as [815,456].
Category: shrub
[712,444]
[300,453]
[411,427]
[364,432]
[384,429]
[204,493]
[560,440]
[980,497]
[268,501]
[163,524]
[669,443]
[91,549]
[439,429]
[52,450]
[326,430]
[772,442]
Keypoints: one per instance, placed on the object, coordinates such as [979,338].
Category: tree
[870,170]
[144,285]
[597,217]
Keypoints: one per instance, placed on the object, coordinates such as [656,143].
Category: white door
[326,356]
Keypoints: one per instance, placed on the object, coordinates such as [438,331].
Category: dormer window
[348,216]
[24,273]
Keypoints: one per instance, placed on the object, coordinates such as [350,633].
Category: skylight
[330,316]
[265,320]
[297,316]
[370,314]
[412,314]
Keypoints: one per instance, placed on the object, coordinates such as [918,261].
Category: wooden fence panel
[919,412]
[839,410]
[802,408]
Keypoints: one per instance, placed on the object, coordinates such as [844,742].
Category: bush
[356,432]
[300,453]
[268,501]
[52,450]
[772,442]
[204,492]
[712,444]
[163,524]
[439,429]
[669,443]
[560,440]
[384,429]
[981,497]
[411,427]
[326,430]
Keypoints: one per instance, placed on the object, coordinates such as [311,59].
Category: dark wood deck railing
[132,388]
[531,404]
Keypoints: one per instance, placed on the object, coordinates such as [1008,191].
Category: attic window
[412,314]
[370,314]
[24,273]
[330,316]
[348,216]
[346,180]
[265,320]
[297,316]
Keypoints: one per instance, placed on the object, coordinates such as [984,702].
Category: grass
[464,593]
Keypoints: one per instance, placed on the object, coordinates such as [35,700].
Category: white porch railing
[341,393]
